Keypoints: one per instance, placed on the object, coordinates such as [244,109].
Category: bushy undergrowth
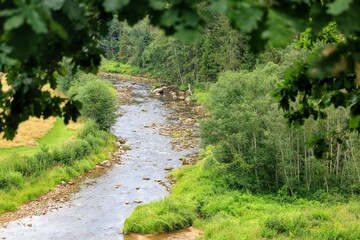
[26,178]
[257,150]
[201,199]
[113,66]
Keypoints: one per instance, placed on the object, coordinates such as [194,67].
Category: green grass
[34,187]
[57,135]
[201,96]
[113,66]
[27,177]
[202,200]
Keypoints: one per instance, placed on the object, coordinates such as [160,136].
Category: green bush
[11,179]
[99,103]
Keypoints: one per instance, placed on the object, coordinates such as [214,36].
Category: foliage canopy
[37,34]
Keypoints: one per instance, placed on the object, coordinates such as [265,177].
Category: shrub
[99,103]
[11,179]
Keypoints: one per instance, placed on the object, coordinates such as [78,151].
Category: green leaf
[281,29]
[54,4]
[14,22]
[113,5]
[169,18]
[72,9]
[58,29]
[246,17]
[157,4]
[218,6]
[354,122]
[338,7]
[34,19]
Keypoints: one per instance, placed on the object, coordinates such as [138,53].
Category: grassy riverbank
[202,200]
[27,177]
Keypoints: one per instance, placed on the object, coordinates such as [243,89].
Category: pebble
[105,163]
[146,178]
[168,168]
[138,201]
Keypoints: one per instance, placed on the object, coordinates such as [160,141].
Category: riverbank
[201,200]
[26,178]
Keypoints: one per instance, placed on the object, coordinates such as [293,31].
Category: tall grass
[25,178]
[205,202]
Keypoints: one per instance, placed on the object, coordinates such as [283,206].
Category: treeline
[253,146]
[220,48]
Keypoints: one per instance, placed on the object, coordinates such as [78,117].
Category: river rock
[146,178]
[168,168]
[181,98]
[105,163]
[127,202]
[187,100]
[158,180]
[138,201]
[158,91]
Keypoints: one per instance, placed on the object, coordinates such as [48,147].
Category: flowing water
[99,210]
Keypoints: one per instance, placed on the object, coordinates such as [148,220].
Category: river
[98,210]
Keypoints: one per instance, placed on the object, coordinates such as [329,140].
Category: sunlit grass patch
[112,66]
[54,138]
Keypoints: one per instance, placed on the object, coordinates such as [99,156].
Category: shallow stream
[100,208]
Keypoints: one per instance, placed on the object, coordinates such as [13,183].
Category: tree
[37,34]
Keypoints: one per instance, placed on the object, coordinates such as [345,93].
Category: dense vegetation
[73,28]
[255,149]
[201,199]
[220,48]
